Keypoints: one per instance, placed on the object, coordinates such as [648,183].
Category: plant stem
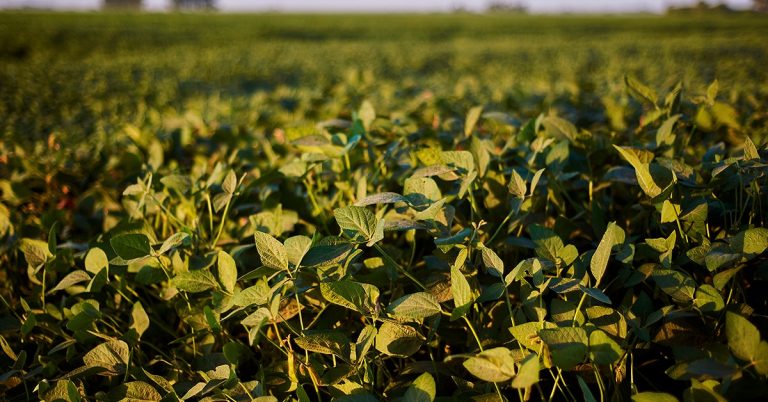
[223,221]
[399,268]
[578,308]
[480,346]
[506,219]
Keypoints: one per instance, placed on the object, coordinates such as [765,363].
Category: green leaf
[482,157]
[677,284]
[327,254]
[712,92]
[743,337]
[131,246]
[568,345]
[220,201]
[640,161]
[596,294]
[613,236]
[559,127]
[527,333]
[750,150]
[365,340]
[256,295]
[175,240]
[703,392]
[653,397]
[529,372]
[761,358]
[420,191]
[602,349]
[178,182]
[367,114]
[462,292]
[35,251]
[111,356]
[492,365]
[139,318]
[378,233]
[296,248]
[726,114]
[422,389]
[535,180]
[457,238]
[708,299]
[588,396]
[71,279]
[669,212]
[751,242]
[548,243]
[135,391]
[357,296]
[61,391]
[230,182]
[356,220]
[358,396]
[380,198]
[415,306]
[640,91]
[257,318]
[96,260]
[472,117]
[492,261]
[328,342]
[293,169]
[212,319]
[396,339]
[517,186]
[227,271]
[463,160]
[194,281]
[664,135]
[271,251]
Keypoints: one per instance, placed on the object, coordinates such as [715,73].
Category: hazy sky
[392,5]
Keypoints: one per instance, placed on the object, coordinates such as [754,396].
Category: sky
[535,6]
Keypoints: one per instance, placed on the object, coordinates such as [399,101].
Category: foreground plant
[374,259]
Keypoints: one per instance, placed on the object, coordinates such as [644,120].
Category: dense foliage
[373,208]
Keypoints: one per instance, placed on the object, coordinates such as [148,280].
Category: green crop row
[334,213]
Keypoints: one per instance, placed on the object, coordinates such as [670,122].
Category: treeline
[177,4]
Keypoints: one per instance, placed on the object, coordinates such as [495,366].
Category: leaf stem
[399,268]
[512,212]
